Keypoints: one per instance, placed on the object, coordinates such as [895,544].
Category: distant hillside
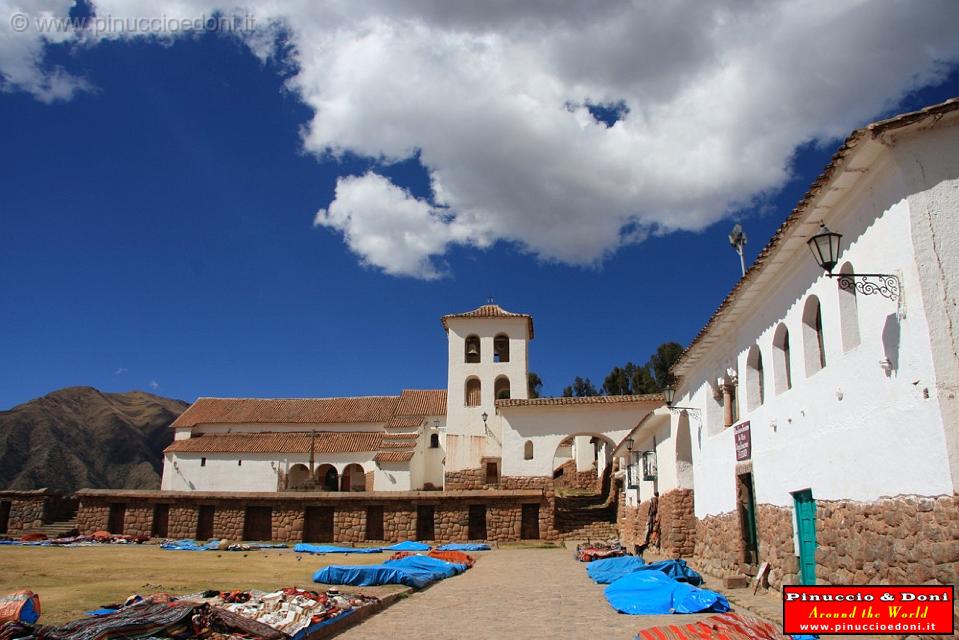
[78,438]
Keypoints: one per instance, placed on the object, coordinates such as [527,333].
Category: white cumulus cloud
[493,98]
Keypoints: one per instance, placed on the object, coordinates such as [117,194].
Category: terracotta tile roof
[288,410]
[326,442]
[404,422]
[393,446]
[805,208]
[421,402]
[400,436]
[490,311]
[394,456]
[543,402]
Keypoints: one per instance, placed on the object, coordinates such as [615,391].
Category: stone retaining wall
[573,479]
[674,532]
[451,513]
[35,508]
[465,480]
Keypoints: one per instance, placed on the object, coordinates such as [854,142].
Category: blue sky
[159,228]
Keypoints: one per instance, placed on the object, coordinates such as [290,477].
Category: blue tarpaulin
[675,569]
[612,569]
[304,547]
[459,546]
[190,545]
[413,571]
[408,545]
[653,592]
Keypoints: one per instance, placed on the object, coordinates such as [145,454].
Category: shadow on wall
[890,342]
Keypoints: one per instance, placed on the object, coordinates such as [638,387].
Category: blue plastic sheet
[612,569]
[190,545]
[677,570]
[461,546]
[105,611]
[413,571]
[408,545]
[653,592]
[304,547]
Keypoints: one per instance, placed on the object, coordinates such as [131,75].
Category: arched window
[814,348]
[353,478]
[501,348]
[472,349]
[848,312]
[501,388]
[782,373]
[434,441]
[473,391]
[528,450]
[327,477]
[755,393]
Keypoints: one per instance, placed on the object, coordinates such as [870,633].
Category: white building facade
[815,418]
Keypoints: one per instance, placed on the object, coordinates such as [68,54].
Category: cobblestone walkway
[510,593]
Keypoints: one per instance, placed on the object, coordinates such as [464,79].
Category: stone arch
[528,450]
[588,465]
[327,478]
[501,388]
[353,478]
[473,392]
[501,348]
[298,475]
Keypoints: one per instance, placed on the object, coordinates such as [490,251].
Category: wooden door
[258,523]
[161,520]
[477,522]
[806,520]
[318,524]
[425,522]
[117,515]
[374,522]
[204,522]
[529,525]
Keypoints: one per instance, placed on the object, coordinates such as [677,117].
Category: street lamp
[669,394]
[629,444]
[825,247]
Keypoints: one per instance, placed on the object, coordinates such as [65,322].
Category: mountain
[79,437]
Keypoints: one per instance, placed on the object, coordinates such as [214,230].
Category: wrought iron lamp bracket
[887,285]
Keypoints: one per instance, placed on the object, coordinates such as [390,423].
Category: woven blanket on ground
[724,626]
[596,550]
[143,619]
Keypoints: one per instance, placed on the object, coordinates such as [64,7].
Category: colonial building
[815,425]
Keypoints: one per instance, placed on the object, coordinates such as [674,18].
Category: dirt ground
[72,580]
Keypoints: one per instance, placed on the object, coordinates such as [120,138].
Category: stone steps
[54,529]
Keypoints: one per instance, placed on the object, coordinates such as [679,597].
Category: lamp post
[669,394]
[825,247]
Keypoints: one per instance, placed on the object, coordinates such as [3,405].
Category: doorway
[492,473]
[118,512]
[258,523]
[477,522]
[806,532]
[374,522]
[204,521]
[318,524]
[529,524]
[161,520]
[4,515]
[746,505]
[425,519]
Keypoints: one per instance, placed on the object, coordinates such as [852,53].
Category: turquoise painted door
[806,520]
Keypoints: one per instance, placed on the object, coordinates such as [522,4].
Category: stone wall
[32,509]
[718,548]
[465,480]
[451,512]
[677,523]
[570,478]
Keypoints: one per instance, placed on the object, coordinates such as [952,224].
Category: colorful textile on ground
[461,546]
[304,547]
[730,626]
[653,592]
[20,606]
[590,551]
[292,610]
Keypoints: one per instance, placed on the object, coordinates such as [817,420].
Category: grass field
[72,580]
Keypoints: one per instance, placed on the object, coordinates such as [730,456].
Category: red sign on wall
[744,443]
